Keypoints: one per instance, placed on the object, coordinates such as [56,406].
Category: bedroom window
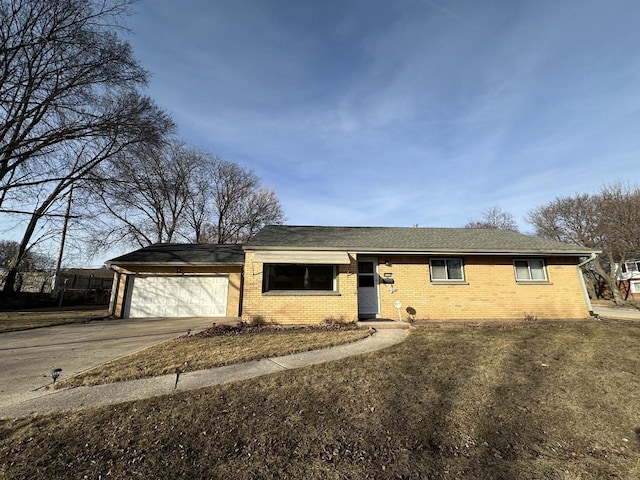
[531,269]
[299,277]
[446,269]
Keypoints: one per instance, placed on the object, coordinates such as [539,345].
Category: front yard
[540,400]
[13,321]
[215,347]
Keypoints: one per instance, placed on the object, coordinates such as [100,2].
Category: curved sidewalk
[44,402]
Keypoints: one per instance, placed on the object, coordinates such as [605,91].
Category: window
[530,270]
[443,269]
[366,274]
[298,277]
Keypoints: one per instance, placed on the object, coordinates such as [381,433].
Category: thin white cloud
[482,104]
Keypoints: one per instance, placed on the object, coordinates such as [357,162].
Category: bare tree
[32,261]
[177,193]
[143,198]
[58,61]
[608,220]
[68,101]
[495,218]
[240,205]
[260,208]
[570,219]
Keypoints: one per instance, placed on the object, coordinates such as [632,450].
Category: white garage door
[198,296]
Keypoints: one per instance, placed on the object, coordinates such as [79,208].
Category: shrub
[258,321]
[338,323]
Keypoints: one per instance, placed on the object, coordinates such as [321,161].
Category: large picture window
[530,269]
[443,269]
[299,277]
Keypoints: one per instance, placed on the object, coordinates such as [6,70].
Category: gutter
[111,264]
[591,258]
[428,252]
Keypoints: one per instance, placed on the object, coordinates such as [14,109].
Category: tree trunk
[12,272]
[617,296]
[610,278]
[10,282]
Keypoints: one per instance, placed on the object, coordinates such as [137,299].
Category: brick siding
[489,291]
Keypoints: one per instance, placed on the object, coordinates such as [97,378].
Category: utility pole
[56,275]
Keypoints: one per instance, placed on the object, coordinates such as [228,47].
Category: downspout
[584,286]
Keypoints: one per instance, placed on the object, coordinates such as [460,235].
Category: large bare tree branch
[69,100]
[58,60]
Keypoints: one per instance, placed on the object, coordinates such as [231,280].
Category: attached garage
[178,280]
[161,296]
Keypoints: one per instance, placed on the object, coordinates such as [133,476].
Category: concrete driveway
[27,357]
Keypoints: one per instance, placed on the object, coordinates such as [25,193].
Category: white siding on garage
[179,296]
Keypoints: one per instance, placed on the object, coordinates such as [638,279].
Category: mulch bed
[248,329]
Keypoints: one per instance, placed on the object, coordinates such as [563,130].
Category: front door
[367,287]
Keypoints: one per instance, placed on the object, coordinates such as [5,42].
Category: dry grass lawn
[527,401]
[199,352]
[13,321]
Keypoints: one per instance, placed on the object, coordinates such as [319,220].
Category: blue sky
[394,113]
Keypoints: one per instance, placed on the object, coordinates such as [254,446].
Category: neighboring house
[178,280]
[629,278]
[297,274]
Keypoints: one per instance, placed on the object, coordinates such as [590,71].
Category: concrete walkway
[43,402]
[616,313]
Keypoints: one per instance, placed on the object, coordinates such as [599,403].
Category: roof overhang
[302,257]
[276,251]
[495,253]
[171,263]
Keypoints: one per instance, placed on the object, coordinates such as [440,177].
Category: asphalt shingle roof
[183,254]
[398,239]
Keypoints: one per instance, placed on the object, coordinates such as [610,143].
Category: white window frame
[530,279]
[446,266]
[635,266]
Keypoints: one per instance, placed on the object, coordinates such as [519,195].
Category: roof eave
[173,263]
[432,251]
